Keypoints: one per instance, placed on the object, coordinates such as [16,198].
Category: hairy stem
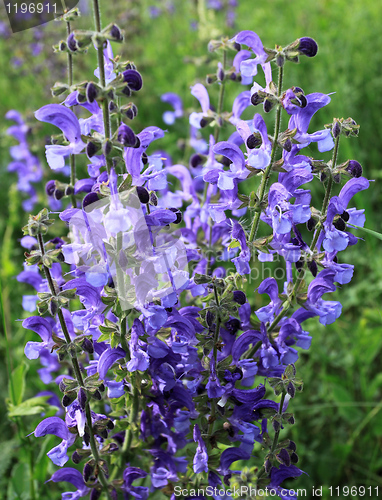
[77,372]
[267,172]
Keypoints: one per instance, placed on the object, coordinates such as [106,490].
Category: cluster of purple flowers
[24,163]
[166,391]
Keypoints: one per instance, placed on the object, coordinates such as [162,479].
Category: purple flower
[67,122]
[169,117]
[201,457]
[74,477]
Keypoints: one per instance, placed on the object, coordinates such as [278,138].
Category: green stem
[267,172]
[214,360]
[221,98]
[327,194]
[105,102]
[78,374]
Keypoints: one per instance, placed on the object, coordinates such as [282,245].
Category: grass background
[339,415]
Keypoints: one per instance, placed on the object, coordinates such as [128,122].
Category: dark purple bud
[89,199]
[107,146]
[294,458]
[95,494]
[130,110]
[220,74]
[267,106]
[288,145]
[300,264]
[110,424]
[62,386]
[267,466]
[115,33]
[59,193]
[210,318]
[311,224]
[292,445]
[113,447]
[196,160]
[69,190]
[71,42]
[232,326]
[91,92]
[86,438]
[126,136]
[88,346]
[82,397]
[336,130]
[253,142]
[68,399]
[133,79]
[50,188]
[87,471]
[340,224]
[76,457]
[303,101]
[203,123]
[97,395]
[153,199]
[256,99]
[143,194]
[354,168]
[101,388]
[178,215]
[283,457]
[276,425]
[103,433]
[323,176]
[345,216]
[337,178]
[308,47]
[280,60]
[112,106]
[312,266]
[291,390]
[126,91]
[239,297]
[237,46]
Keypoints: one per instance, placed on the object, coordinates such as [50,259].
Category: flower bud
[97,395]
[294,458]
[354,168]
[178,215]
[308,47]
[210,318]
[126,136]
[68,398]
[153,199]
[291,390]
[107,146]
[76,457]
[280,60]
[62,386]
[239,297]
[89,199]
[312,266]
[340,224]
[133,79]
[256,99]
[253,141]
[143,194]
[196,160]
[88,346]
[267,105]
[283,457]
[87,471]
[336,129]
[232,326]
[95,494]
[220,73]
[144,158]
[345,216]
[267,466]
[71,43]
[50,187]
[288,145]
[82,397]
[91,92]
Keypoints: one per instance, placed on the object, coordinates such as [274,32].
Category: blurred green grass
[338,416]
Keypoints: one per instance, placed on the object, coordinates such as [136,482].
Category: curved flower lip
[61,117]
[200,92]
[107,359]
[70,475]
[52,425]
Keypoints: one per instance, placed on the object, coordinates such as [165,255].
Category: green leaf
[17,387]
[370,231]
[31,406]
